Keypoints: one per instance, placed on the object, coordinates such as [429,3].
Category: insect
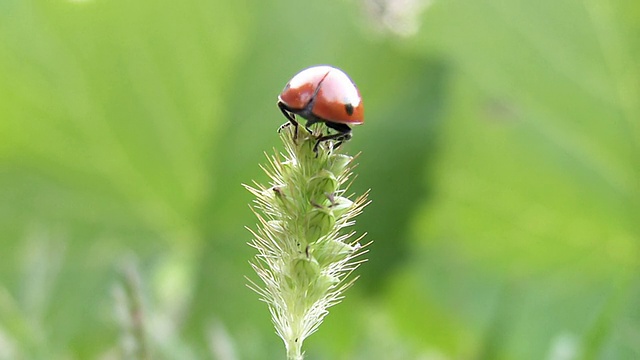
[322,94]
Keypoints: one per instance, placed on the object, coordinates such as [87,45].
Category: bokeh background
[501,147]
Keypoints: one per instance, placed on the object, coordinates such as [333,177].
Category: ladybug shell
[326,93]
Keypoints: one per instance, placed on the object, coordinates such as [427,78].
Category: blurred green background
[501,146]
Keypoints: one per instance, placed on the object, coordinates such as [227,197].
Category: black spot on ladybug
[349,108]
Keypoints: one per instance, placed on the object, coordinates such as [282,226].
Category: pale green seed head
[304,255]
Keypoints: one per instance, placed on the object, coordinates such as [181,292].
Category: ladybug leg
[340,140]
[312,120]
[343,134]
[291,119]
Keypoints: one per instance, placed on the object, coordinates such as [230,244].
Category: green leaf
[539,175]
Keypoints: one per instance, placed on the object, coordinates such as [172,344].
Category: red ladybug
[323,94]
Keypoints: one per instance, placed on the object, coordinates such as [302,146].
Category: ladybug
[322,94]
